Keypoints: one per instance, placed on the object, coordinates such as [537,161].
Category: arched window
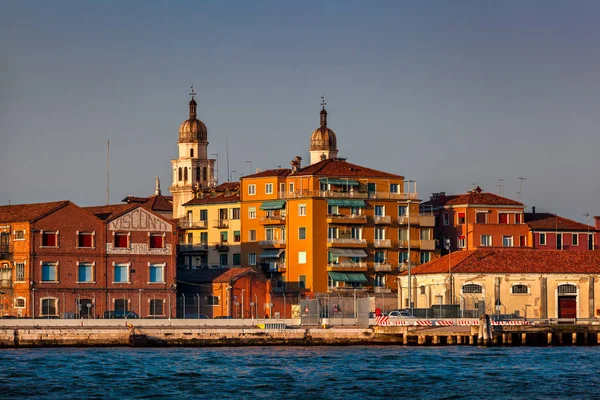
[204,174]
[185,174]
[472,288]
[180,174]
[519,289]
[567,289]
[49,306]
[20,302]
[197,173]
[191,152]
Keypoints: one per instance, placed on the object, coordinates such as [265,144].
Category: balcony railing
[221,223]
[193,247]
[278,242]
[382,219]
[414,243]
[382,267]
[347,266]
[299,194]
[379,243]
[273,219]
[273,267]
[382,289]
[347,219]
[427,244]
[427,220]
[222,247]
[187,224]
[5,253]
[347,241]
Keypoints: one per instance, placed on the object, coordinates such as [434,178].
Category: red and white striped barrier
[467,322]
[510,323]
[424,322]
[444,322]
[382,320]
[403,322]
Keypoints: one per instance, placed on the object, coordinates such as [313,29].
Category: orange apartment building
[478,219]
[332,226]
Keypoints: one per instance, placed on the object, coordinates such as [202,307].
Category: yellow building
[527,282]
[210,231]
[332,225]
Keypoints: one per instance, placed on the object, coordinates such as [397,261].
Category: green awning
[346,202]
[356,277]
[271,253]
[272,205]
[338,276]
[339,181]
[347,252]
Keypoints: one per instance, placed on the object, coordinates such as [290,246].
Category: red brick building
[552,232]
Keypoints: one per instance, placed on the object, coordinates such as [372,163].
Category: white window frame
[91,264]
[15,235]
[461,243]
[252,235]
[56,306]
[512,288]
[302,257]
[292,187]
[488,244]
[300,229]
[302,210]
[252,189]
[57,233]
[542,238]
[24,264]
[163,266]
[251,258]
[55,263]
[128,266]
[511,241]
[93,233]
[268,188]
[15,304]
[251,212]
[575,239]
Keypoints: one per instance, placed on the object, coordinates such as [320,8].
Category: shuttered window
[156,241]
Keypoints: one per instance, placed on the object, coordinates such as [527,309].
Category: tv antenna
[500,187]
[520,187]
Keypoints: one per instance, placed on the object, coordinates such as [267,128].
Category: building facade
[552,232]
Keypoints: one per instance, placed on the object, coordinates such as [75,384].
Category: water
[301,373]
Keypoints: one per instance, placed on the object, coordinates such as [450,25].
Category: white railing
[187,224]
[346,241]
[382,289]
[382,243]
[272,218]
[382,267]
[382,219]
[352,217]
[348,195]
[348,264]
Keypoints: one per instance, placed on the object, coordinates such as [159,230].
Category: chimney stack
[533,209]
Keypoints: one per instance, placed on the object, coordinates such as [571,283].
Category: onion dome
[323,138]
[192,130]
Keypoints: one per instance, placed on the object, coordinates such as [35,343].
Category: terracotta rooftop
[475,196]
[158,203]
[218,275]
[215,199]
[552,222]
[29,212]
[504,260]
[111,210]
[231,186]
[333,167]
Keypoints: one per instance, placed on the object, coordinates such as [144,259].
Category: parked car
[400,314]
[120,314]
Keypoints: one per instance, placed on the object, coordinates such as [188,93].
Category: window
[422,289]
[567,289]
[301,257]
[252,212]
[185,174]
[522,241]
[252,258]
[156,307]
[203,215]
[20,273]
[157,273]
[354,210]
[472,288]
[461,242]
[356,233]
[237,236]
[590,241]
[191,152]
[197,173]
[205,174]
[333,210]
[507,241]
[542,239]
[223,260]
[379,257]
[425,234]
[575,239]
[269,188]
[223,213]
[379,233]
[486,240]
[401,211]
[223,236]
[121,273]
[49,307]
[301,210]
[503,218]
[252,189]
[302,281]
[481,217]
[85,273]
[379,280]
[252,235]
[461,219]
[291,187]
[425,257]
[19,302]
[203,237]
[180,174]
[19,235]
[446,219]
[379,210]
[302,233]
[156,241]
[49,239]
[332,232]
[121,240]
[235,213]
[394,188]
[403,234]
[559,241]
[519,289]
[85,239]
[49,272]
[403,257]
[212,300]
[518,218]
[282,187]
[237,259]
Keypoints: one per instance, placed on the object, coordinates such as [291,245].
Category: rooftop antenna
[323,104]
[520,187]
[192,93]
[227,153]
[108,173]
[500,186]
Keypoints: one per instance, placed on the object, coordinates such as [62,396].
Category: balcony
[272,243]
[184,223]
[415,244]
[347,219]
[197,247]
[347,242]
[273,220]
[382,243]
[427,220]
[427,244]
[222,247]
[347,266]
[5,253]
[273,267]
[300,194]
[221,223]
[382,267]
[382,219]
[382,289]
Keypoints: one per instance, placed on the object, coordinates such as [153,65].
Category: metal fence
[335,311]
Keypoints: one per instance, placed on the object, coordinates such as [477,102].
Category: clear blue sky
[447,93]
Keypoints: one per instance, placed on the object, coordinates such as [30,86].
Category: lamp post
[498,305]
[448,247]
[409,259]
[243,290]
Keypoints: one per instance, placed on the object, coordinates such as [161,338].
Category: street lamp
[450,288]
[410,303]
[498,305]
[243,290]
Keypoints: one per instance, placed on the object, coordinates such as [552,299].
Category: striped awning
[272,205]
[271,253]
[339,181]
[347,252]
[346,202]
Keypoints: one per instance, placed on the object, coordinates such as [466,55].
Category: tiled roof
[503,260]
[154,203]
[439,201]
[111,210]
[205,275]
[482,198]
[215,199]
[29,212]
[231,186]
[340,168]
[280,172]
[552,222]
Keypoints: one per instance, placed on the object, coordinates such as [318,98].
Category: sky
[451,94]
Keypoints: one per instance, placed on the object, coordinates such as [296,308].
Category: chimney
[296,164]
[597,222]
[533,210]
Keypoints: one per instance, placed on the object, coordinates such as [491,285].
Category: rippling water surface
[301,372]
